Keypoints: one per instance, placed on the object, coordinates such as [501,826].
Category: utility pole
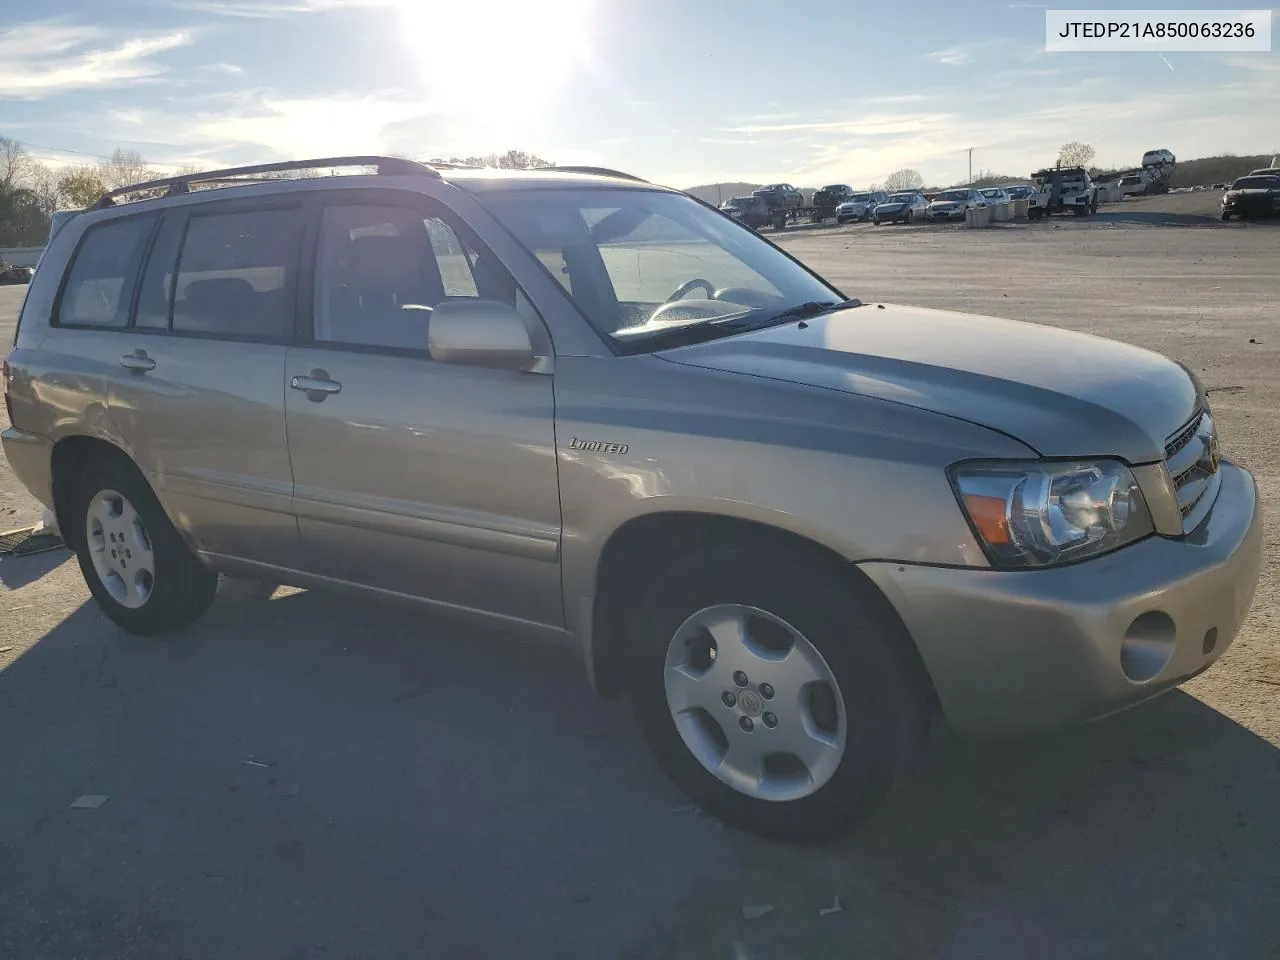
[971,166]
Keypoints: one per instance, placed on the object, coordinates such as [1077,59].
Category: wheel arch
[651,541]
[70,456]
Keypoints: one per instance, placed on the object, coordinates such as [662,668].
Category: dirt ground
[314,777]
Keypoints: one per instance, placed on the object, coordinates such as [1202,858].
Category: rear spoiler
[58,219]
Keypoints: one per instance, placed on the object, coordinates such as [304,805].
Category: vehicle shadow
[1154,218]
[376,783]
[17,572]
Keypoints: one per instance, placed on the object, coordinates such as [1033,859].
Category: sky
[681,92]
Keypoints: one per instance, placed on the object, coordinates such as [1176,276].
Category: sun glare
[484,56]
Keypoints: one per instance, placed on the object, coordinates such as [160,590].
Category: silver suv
[792,526]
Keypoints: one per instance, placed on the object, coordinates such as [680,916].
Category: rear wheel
[907,218]
[145,578]
[771,694]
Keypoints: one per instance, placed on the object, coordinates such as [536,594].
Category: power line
[45,146]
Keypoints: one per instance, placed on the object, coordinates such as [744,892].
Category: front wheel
[773,693]
[876,221]
[907,218]
[1225,215]
[142,574]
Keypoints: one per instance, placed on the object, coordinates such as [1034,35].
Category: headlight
[1034,514]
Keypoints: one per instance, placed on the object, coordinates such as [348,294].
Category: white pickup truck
[1060,189]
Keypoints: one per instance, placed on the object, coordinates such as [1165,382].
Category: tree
[904,179]
[15,164]
[511,160]
[124,167]
[80,187]
[1075,154]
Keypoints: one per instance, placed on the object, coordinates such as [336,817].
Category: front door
[426,479]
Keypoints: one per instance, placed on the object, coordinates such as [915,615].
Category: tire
[1225,215]
[876,221]
[1093,204]
[907,218]
[862,734]
[127,519]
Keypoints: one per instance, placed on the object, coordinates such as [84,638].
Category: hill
[1223,169]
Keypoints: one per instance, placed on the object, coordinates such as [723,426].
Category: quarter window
[236,274]
[100,283]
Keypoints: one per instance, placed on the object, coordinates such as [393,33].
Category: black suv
[781,196]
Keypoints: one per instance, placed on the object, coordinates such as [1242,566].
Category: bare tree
[124,168]
[1075,154]
[15,164]
[904,179]
[43,184]
[80,187]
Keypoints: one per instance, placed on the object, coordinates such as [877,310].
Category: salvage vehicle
[993,195]
[781,196]
[901,208]
[1132,185]
[795,528]
[826,200]
[1252,197]
[952,204]
[1063,189]
[753,211]
[860,206]
[9,274]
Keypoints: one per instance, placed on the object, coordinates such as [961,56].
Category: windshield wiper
[808,309]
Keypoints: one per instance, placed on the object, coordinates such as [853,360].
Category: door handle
[316,385]
[137,362]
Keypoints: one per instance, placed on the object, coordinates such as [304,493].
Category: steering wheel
[688,287]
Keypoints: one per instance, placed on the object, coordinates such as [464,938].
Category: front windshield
[861,197]
[991,193]
[1254,183]
[952,195]
[901,198]
[644,263]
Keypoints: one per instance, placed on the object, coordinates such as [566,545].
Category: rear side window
[237,274]
[155,297]
[100,283]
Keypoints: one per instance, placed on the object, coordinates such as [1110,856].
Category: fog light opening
[1210,641]
[1148,646]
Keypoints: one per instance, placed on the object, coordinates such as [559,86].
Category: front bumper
[30,457]
[951,213]
[1015,651]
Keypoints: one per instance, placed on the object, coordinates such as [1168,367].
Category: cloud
[46,57]
[268,9]
[314,126]
[1264,63]
[996,48]
[230,69]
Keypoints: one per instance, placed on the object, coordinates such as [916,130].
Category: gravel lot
[314,777]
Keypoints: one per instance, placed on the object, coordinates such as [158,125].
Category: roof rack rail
[596,171]
[176,186]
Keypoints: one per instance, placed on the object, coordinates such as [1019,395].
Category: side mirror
[485,333]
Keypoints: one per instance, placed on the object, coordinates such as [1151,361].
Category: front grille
[1191,457]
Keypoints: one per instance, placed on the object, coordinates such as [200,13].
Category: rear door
[431,480]
[195,391]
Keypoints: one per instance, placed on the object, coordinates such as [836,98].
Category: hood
[1064,394]
[895,205]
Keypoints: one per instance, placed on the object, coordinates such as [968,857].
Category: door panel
[434,480]
[196,388]
[428,479]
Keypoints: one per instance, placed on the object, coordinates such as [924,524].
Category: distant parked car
[995,195]
[831,196]
[1020,191]
[1265,172]
[1252,197]
[1132,186]
[781,196]
[860,206]
[752,211]
[9,274]
[952,204]
[901,208]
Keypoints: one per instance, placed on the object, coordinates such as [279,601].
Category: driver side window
[382,269]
